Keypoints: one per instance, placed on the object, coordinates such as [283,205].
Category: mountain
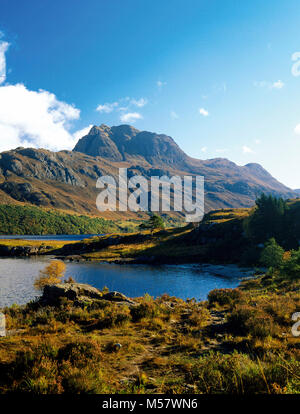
[125,143]
[66,180]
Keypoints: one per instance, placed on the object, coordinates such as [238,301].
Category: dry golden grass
[55,244]
[167,344]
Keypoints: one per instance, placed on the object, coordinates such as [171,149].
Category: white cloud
[297,129]
[3,48]
[247,150]
[131,117]
[33,118]
[107,108]
[110,107]
[139,102]
[174,115]
[203,149]
[203,112]
[82,132]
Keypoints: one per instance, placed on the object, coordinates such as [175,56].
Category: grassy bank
[239,341]
[158,246]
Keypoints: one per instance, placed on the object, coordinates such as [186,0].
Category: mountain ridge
[66,180]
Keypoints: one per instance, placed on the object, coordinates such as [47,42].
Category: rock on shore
[79,292]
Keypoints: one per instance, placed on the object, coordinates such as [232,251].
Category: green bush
[290,268]
[272,255]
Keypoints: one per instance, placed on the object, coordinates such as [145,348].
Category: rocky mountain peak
[125,142]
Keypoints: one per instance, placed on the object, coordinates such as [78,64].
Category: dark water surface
[185,281]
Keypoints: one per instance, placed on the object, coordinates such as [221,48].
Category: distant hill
[66,180]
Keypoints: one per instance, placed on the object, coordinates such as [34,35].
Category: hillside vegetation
[224,236]
[28,220]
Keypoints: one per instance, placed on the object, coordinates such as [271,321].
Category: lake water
[62,237]
[185,281]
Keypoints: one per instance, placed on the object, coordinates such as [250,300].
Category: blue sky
[215,75]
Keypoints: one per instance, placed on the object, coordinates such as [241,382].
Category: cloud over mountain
[33,118]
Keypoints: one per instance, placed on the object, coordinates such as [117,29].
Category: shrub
[199,318]
[51,275]
[291,267]
[245,320]
[79,352]
[86,380]
[272,255]
[144,310]
[224,296]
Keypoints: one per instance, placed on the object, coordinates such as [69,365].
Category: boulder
[72,291]
[78,293]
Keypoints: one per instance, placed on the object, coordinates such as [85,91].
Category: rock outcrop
[19,250]
[79,293]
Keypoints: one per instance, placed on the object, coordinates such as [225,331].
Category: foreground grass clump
[239,341]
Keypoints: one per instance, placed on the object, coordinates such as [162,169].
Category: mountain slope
[66,180]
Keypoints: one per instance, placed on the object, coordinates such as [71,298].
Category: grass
[164,245]
[168,345]
[55,244]
[225,215]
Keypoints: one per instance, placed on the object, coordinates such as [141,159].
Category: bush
[51,275]
[79,352]
[245,320]
[144,310]
[272,255]
[224,296]
[291,267]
